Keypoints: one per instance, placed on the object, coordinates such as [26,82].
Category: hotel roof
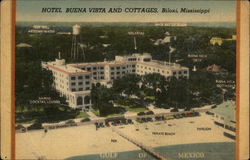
[101,63]
[158,64]
[162,65]
[68,69]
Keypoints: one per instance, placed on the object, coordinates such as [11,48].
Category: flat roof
[68,69]
[160,65]
[102,63]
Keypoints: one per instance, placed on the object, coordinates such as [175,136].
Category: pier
[147,149]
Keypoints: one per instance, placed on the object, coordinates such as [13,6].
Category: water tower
[75,40]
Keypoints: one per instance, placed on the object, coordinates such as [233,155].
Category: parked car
[159,118]
[107,124]
[118,122]
[149,113]
[214,106]
[85,120]
[189,114]
[149,119]
[101,124]
[71,123]
[143,119]
[20,128]
[196,113]
[141,114]
[183,115]
[174,110]
[169,117]
[36,125]
[139,120]
[177,116]
[209,113]
[124,121]
[130,121]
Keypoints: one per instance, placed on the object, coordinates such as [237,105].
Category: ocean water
[196,151]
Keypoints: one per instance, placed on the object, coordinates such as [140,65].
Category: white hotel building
[74,80]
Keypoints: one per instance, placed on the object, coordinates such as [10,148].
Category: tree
[154,81]
[129,84]
[102,99]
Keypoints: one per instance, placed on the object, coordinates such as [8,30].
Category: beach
[84,140]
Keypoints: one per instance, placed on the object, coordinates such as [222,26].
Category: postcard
[125,80]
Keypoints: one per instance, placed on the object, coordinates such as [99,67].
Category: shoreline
[86,140]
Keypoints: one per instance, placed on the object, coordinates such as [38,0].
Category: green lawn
[82,115]
[96,112]
[115,115]
[135,109]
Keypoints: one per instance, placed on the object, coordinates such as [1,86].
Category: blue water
[196,151]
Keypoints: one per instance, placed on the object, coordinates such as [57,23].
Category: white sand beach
[66,142]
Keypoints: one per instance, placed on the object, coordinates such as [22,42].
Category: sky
[220,11]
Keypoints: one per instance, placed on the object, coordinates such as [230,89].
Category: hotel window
[101,67]
[94,73]
[123,72]
[80,89]
[185,72]
[112,73]
[117,67]
[133,70]
[73,78]
[117,72]
[86,77]
[87,88]
[94,77]
[83,68]
[94,68]
[87,82]
[102,77]
[88,69]
[179,72]
[133,65]
[73,83]
[162,71]
[112,68]
[79,83]
[79,77]
[73,89]
[112,77]
[102,72]
[123,67]
[174,73]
